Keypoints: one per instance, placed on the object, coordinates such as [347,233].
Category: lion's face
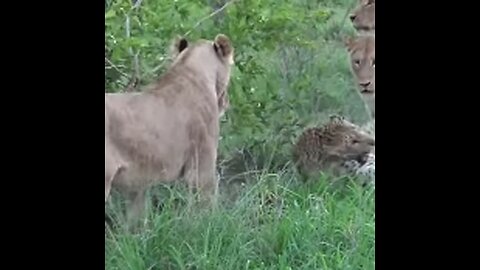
[363,16]
[346,140]
[362,61]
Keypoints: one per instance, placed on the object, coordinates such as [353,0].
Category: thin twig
[115,67]
[137,4]
[130,49]
[136,65]
[127,30]
[209,16]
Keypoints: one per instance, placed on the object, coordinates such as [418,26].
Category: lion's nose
[352,17]
[365,85]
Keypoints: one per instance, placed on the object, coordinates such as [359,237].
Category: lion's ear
[336,118]
[366,2]
[179,44]
[224,47]
[348,42]
[182,44]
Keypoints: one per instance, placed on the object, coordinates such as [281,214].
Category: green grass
[277,223]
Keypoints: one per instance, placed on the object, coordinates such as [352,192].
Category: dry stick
[209,16]
[137,4]
[115,67]
[136,72]
[136,66]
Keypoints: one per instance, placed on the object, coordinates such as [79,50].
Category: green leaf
[110,14]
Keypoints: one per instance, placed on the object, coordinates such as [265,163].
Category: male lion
[170,130]
[328,147]
[361,51]
[363,17]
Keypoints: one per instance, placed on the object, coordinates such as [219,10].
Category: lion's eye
[357,62]
[373,63]
[355,141]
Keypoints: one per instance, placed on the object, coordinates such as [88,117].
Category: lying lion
[170,130]
[363,17]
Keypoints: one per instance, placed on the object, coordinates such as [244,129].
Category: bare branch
[135,64]
[115,67]
[137,4]
[209,16]
[132,85]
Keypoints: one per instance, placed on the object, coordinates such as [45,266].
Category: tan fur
[223,103]
[170,130]
[327,147]
[179,44]
[363,17]
[361,51]
[176,47]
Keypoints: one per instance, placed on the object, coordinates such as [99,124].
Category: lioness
[361,51]
[170,130]
[363,17]
[328,147]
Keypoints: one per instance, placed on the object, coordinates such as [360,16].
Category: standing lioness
[170,130]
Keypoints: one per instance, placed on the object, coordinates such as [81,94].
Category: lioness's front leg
[111,171]
[114,165]
[202,174]
[135,207]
